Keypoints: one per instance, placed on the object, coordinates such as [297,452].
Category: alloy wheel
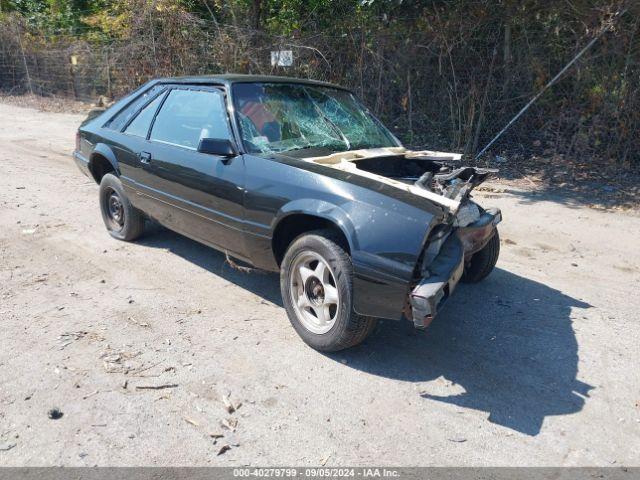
[314,292]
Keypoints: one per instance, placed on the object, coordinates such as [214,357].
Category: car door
[135,174]
[202,194]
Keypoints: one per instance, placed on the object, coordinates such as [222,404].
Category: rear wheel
[483,261]
[317,291]
[123,220]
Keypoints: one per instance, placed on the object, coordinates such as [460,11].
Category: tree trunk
[257,14]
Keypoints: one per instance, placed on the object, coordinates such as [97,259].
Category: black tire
[349,328]
[123,220]
[483,261]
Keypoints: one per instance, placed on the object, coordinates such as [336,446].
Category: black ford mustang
[296,176]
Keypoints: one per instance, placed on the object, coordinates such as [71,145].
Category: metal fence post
[24,60]
[72,74]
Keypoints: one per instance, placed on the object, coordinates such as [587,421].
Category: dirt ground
[537,365]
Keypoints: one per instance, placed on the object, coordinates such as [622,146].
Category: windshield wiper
[308,147]
[305,147]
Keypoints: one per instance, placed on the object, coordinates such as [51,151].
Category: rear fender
[105,151]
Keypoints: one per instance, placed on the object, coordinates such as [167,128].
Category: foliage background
[444,74]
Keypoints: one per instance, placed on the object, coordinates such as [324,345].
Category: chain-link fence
[435,86]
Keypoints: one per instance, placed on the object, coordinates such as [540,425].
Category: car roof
[229,79]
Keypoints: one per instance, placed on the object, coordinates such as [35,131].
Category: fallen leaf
[228,405]
[229,423]
[191,421]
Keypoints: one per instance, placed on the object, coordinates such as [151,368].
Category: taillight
[78,141]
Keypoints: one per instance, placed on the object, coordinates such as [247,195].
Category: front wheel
[482,262]
[317,292]
[123,220]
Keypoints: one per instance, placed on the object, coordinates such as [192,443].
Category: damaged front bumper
[432,291]
[447,268]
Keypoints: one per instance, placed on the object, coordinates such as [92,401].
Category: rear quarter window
[118,121]
[139,126]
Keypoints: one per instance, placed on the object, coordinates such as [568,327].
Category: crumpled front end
[438,284]
[444,260]
[417,179]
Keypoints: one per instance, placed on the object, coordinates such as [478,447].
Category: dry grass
[47,104]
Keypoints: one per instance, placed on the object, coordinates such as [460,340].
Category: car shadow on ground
[263,284]
[507,343]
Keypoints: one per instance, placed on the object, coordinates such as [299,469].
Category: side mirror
[217,146]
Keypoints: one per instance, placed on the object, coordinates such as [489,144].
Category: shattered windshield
[277,117]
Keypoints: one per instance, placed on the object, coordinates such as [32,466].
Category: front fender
[385,242]
[391,237]
[321,209]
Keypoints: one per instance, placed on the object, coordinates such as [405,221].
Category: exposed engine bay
[434,175]
[439,177]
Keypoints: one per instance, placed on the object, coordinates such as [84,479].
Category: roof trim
[229,79]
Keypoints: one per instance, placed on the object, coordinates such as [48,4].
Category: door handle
[145,157]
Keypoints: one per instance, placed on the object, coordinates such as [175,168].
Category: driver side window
[187,116]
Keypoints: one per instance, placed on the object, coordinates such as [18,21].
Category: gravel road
[537,365]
